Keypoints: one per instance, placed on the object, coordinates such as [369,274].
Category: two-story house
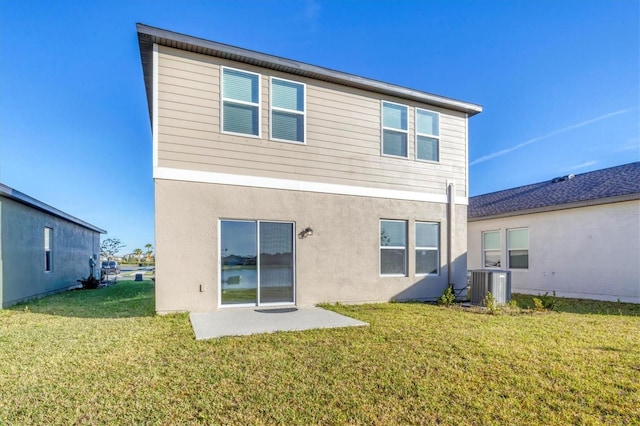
[283,183]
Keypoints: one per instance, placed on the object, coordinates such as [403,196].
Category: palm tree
[138,253]
[149,248]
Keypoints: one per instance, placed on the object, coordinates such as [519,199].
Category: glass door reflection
[257,262]
[238,251]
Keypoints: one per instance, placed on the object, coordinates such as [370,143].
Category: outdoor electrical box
[496,282]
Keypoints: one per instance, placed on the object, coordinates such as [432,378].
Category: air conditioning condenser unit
[484,281]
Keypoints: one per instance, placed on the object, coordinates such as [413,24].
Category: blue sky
[559,82]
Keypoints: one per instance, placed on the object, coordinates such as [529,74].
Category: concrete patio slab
[242,322]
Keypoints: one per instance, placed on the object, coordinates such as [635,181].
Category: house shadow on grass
[429,289]
[580,306]
[126,299]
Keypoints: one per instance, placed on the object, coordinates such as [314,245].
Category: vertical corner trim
[154,118]
[466,153]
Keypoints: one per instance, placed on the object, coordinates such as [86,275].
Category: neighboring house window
[394,129]
[240,102]
[427,248]
[491,252]
[48,232]
[287,110]
[518,246]
[393,247]
[427,135]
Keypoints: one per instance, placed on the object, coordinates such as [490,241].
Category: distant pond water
[247,277]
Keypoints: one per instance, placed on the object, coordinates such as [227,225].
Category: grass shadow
[581,306]
[561,304]
[126,299]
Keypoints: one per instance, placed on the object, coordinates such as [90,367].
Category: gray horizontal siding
[343,133]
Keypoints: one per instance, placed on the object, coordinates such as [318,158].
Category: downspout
[451,229]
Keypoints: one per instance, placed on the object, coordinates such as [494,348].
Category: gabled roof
[18,196]
[148,36]
[619,183]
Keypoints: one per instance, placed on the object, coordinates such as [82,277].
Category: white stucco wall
[587,252]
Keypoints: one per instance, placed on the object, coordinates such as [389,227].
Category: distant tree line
[110,247]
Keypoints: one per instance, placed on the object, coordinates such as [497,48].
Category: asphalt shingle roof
[605,183]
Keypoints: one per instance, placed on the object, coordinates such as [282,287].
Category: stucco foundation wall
[339,263]
[22,274]
[587,252]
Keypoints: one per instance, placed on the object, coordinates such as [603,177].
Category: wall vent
[563,178]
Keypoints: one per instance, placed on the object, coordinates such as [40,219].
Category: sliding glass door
[257,262]
[276,262]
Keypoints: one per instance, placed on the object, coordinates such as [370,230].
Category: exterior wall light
[307,232]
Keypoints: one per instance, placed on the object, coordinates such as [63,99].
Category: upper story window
[287,110]
[427,135]
[394,129]
[427,248]
[518,246]
[48,232]
[393,247]
[491,252]
[240,102]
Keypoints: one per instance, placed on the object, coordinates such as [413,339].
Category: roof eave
[555,207]
[147,36]
[39,205]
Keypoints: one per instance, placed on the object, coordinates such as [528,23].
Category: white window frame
[48,249]
[393,129]
[426,135]
[436,248]
[485,250]
[510,249]
[223,100]
[405,247]
[303,113]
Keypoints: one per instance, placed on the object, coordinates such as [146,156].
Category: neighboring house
[283,183]
[576,235]
[42,249]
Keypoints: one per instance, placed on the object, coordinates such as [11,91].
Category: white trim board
[297,185]
[154,102]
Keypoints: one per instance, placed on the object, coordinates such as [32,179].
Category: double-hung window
[491,253]
[518,246]
[287,110]
[48,232]
[427,135]
[240,102]
[394,129]
[393,247]
[427,248]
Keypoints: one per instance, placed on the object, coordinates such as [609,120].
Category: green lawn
[102,357]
